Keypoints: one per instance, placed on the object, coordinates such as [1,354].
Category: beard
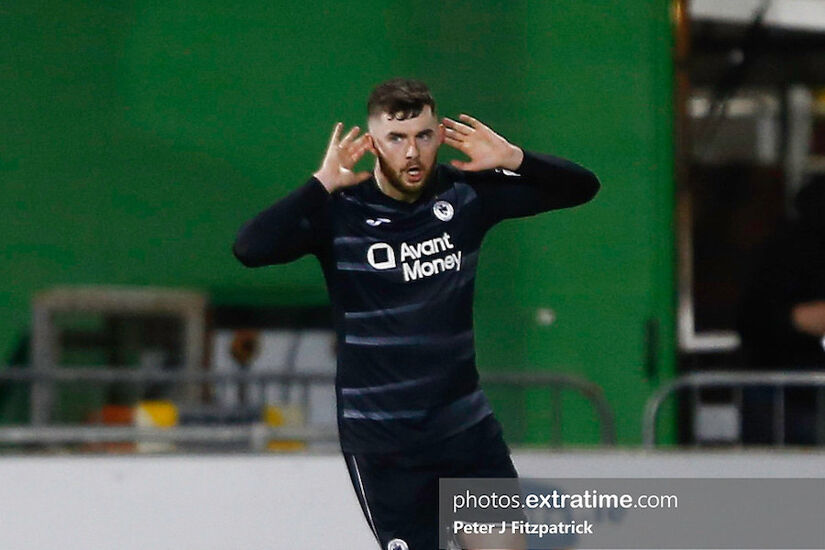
[395,177]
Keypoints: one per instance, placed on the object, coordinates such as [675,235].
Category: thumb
[461,165]
[362,176]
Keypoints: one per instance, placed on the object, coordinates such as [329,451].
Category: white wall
[807,15]
[250,502]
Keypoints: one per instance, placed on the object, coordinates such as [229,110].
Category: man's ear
[441,133]
[371,144]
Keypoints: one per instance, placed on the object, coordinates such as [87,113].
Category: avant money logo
[415,257]
[381,256]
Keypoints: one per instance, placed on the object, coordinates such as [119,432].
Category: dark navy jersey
[400,278]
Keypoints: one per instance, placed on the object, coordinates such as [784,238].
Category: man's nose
[412,150]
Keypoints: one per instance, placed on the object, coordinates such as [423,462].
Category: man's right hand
[342,155]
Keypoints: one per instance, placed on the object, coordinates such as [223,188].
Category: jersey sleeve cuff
[530,164]
[313,195]
[316,184]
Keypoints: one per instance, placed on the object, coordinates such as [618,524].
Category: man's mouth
[414,173]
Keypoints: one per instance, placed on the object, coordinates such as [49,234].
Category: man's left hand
[486,149]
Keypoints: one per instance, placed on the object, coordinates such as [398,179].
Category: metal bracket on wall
[189,306]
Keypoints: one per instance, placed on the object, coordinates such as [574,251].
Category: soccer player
[399,247]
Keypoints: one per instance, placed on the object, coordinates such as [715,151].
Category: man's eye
[426,137]
[395,139]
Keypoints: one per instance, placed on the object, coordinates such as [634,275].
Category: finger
[470,120]
[361,141]
[358,148]
[455,143]
[453,134]
[336,133]
[457,126]
[349,137]
[462,165]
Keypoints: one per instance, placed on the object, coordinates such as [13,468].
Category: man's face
[406,149]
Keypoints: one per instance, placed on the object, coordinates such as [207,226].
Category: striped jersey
[400,278]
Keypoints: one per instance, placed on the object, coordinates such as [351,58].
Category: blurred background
[137,136]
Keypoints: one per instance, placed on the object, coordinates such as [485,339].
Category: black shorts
[398,491]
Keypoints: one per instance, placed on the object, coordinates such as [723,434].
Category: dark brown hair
[402,98]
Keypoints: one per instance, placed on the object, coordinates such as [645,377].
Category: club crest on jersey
[443,210]
[397,544]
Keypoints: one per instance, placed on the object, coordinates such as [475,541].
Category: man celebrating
[399,249]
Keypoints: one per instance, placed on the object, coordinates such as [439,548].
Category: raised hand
[485,148]
[341,156]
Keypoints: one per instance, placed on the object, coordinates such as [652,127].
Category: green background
[137,136]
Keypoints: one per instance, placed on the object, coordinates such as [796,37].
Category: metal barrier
[258,434]
[254,436]
[737,381]
[556,383]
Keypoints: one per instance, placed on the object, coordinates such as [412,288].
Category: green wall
[137,136]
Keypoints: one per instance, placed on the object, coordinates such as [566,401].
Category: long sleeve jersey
[400,277]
